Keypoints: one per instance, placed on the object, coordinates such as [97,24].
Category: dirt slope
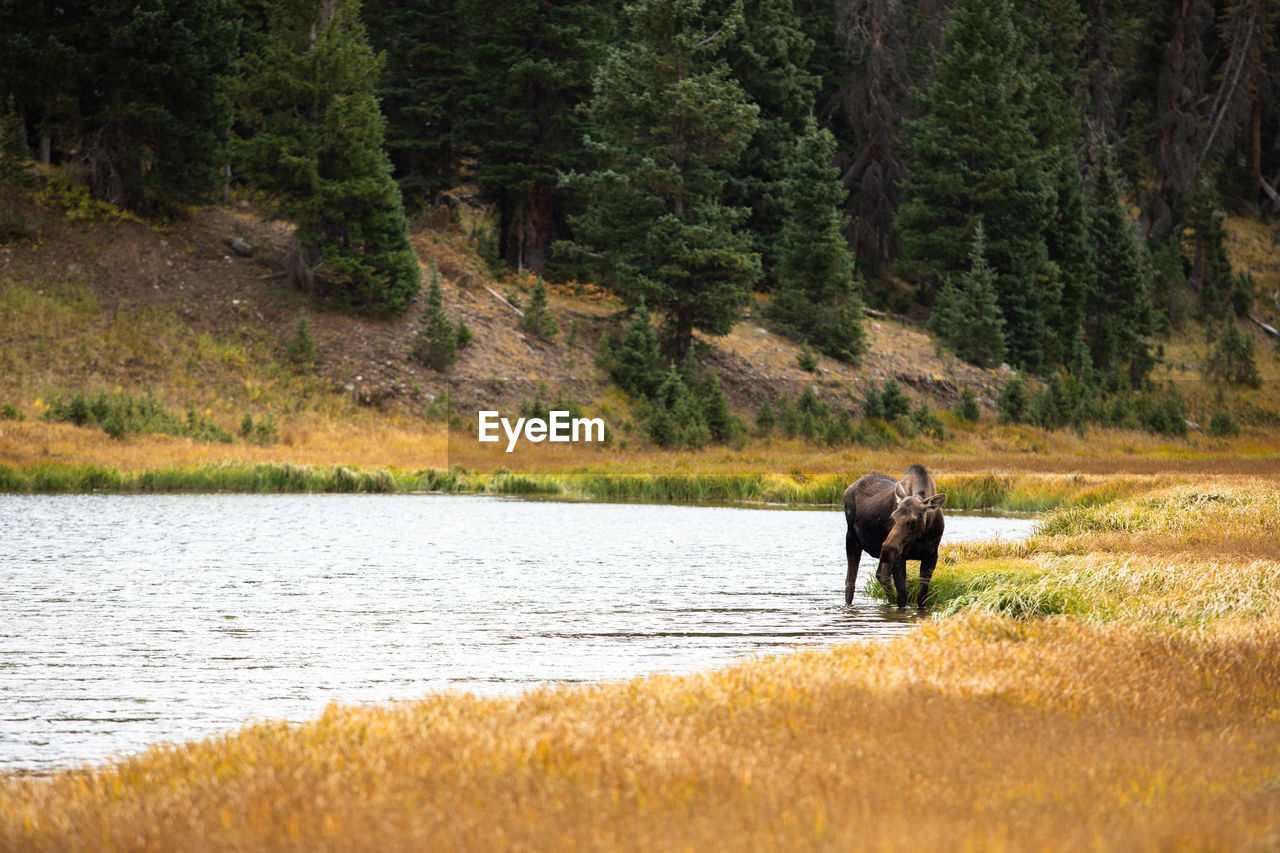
[189,273]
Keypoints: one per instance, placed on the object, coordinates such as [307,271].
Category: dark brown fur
[894,521]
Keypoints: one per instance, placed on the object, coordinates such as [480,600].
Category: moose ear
[899,492]
[936,501]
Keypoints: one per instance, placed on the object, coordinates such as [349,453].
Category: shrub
[10,412]
[924,420]
[1232,358]
[1012,403]
[689,410]
[120,415]
[967,409]
[886,404]
[807,360]
[766,420]
[262,432]
[1222,425]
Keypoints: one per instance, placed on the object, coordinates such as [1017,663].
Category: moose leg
[926,574]
[900,579]
[853,550]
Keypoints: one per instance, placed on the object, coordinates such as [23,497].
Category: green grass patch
[1011,586]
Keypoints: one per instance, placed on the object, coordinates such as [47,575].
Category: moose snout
[884,570]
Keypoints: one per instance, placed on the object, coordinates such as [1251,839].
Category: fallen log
[1270,330]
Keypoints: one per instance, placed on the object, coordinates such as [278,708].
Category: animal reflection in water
[895,521]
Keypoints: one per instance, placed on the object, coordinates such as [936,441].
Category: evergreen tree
[538,319]
[16,173]
[438,339]
[817,298]
[529,67]
[636,363]
[1182,83]
[665,121]
[967,317]
[1071,252]
[1118,316]
[1210,274]
[1232,358]
[315,146]
[768,58]
[973,154]
[145,107]
[425,77]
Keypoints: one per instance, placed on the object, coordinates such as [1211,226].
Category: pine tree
[529,66]
[966,317]
[438,339]
[1071,252]
[1210,274]
[1118,315]
[666,120]
[817,297]
[873,100]
[145,106]
[768,57]
[973,154]
[636,363]
[16,172]
[424,79]
[315,146]
[538,319]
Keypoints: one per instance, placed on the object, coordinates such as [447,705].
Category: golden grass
[1149,720]
[980,733]
[1182,556]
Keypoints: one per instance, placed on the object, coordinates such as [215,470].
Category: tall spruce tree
[966,315]
[144,109]
[16,172]
[315,147]
[1182,82]
[529,68]
[1071,252]
[973,154]
[768,57]
[425,76]
[817,295]
[665,121]
[1118,314]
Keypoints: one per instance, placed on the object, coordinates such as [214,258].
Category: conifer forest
[1044,180]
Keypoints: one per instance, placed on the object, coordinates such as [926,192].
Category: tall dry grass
[982,733]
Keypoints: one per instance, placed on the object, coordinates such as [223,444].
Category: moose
[895,521]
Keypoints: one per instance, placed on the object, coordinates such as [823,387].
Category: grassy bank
[1140,715]
[982,733]
[1181,557]
[991,491]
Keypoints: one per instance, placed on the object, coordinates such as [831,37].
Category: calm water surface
[133,620]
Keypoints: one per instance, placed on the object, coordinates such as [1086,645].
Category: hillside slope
[176,313]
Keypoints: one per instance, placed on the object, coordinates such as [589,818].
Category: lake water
[133,620]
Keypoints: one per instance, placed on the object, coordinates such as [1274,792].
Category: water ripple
[212,610]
